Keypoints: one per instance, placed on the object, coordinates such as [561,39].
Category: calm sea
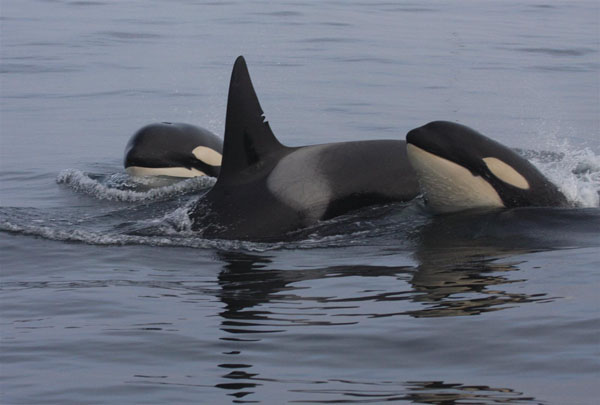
[108,297]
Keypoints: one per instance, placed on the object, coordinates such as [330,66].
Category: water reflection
[438,392]
[421,392]
[449,280]
[460,272]
[464,265]
[467,283]
[465,289]
[246,284]
[418,392]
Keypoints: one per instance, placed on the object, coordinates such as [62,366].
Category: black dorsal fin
[248,137]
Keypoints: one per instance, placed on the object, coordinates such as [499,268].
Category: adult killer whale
[266,189]
[459,169]
[173,149]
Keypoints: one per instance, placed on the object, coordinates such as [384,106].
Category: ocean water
[107,296]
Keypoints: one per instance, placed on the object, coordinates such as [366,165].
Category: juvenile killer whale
[266,189]
[173,149]
[459,169]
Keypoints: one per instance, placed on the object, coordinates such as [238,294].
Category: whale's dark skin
[266,190]
[166,148]
[516,182]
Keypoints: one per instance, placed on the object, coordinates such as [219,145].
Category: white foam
[174,229]
[576,173]
[176,223]
[116,239]
[108,190]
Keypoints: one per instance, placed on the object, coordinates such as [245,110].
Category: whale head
[460,169]
[173,149]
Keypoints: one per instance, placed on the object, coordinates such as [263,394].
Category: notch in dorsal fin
[248,137]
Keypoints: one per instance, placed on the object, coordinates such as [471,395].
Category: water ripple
[422,392]
[558,51]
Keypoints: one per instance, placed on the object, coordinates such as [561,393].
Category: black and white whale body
[173,149]
[266,189]
[459,169]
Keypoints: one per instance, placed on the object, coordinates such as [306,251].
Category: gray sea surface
[108,297]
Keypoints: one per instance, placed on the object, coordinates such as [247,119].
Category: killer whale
[173,149]
[266,190]
[459,169]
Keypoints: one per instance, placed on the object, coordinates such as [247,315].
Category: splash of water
[576,172]
[174,229]
[120,187]
[171,236]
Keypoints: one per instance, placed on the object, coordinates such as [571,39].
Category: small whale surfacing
[175,150]
[460,169]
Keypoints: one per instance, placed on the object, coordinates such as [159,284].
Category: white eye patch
[506,173]
[207,155]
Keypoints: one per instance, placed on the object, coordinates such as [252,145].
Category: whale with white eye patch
[459,169]
[266,190]
[173,149]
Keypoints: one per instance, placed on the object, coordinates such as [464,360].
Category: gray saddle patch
[299,182]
